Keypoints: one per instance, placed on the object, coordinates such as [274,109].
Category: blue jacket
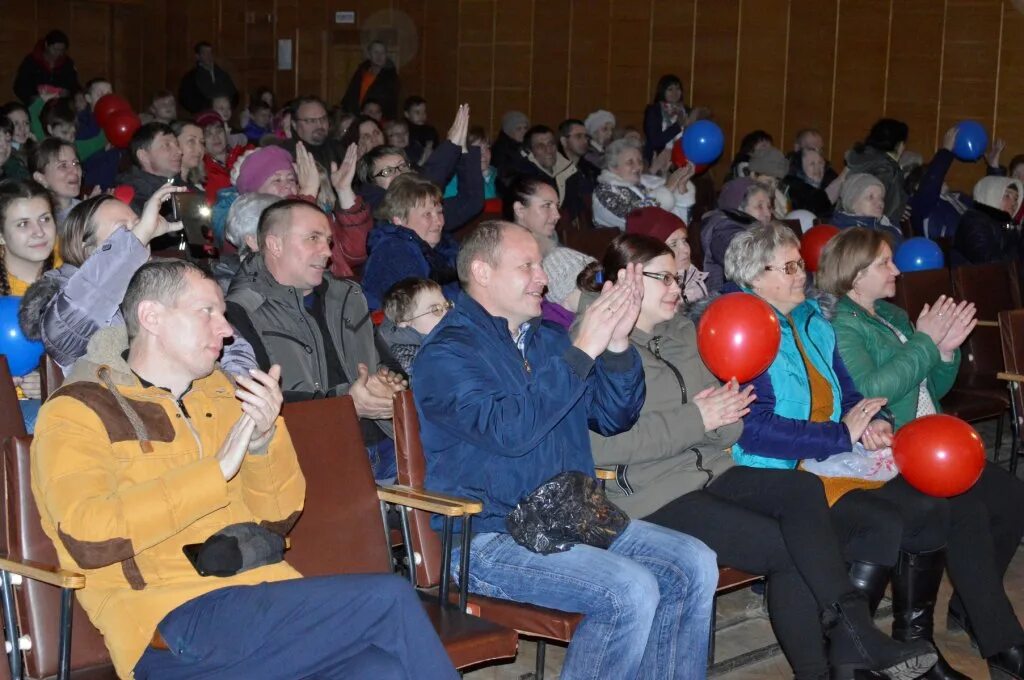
[495,426]
[398,253]
[846,220]
[777,432]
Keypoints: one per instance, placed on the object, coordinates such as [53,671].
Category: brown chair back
[340,530]
[1011,328]
[992,287]
[52,376]
[38,604]
[593,242]
[914,290]
[11,422]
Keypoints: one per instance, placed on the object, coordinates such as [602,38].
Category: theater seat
[11,422]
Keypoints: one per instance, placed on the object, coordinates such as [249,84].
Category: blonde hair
[405,193]
[845,256]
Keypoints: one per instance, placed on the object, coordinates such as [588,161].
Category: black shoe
[915,583]
[870,580]
[1007,664]
[856,646]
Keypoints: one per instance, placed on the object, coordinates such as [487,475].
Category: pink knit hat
[259,166]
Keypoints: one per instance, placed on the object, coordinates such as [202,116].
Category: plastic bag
[874,466]
[567,509]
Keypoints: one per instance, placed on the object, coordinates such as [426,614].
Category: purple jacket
[68,305]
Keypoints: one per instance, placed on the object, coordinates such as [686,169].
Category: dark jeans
[775,523]
[352,626]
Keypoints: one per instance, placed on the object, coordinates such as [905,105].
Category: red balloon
[679,158]
[107,106]
[738,336]
[812,243]
[120,127]
[939,455]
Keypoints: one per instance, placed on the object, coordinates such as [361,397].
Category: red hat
[654,222]
[207,118]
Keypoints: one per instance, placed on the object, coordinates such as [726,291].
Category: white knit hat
[563,265]
[598,118]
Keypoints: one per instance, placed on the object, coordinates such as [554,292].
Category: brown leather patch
[119,428]
[96,554]
[133,574]
[282,526]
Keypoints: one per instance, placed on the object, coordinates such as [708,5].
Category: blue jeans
[382,461]
[29,413]
[646,600]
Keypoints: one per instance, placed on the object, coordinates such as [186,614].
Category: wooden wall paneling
[629,58]
[588,86]
[552,68]
[18,37]
[91,25]
[762,68]
[1010,107]
[153,37]
[440,47]
[476,56]
[811,63]
[912,87]
[970,63]
[861,52]
[127,69]
[412,70]
[515,67]
[671,47]
[312,68]
[714,84]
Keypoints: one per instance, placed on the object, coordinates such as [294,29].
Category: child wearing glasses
[412,308]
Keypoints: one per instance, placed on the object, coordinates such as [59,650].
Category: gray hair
[615,149]
[160,280]
[244,218]
[752,250]
[483,244]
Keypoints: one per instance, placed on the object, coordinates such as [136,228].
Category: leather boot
[915,583]
[1007,664]
[857,648]
[870,580]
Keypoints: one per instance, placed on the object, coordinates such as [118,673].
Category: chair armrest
[46,573]
[429,501]
[1011,377]
[604,474]
[988,324]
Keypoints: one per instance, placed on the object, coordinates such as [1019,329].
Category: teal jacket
[882,366]
[777,432]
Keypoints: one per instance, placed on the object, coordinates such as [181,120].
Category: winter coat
[882,366]
[668,452]
[384,89]
[717,230]
[986,235]
[402,342]
[398,253]
[422,135]
[887,170]
[573,188]
[496,423]
[505,152]
[845,220]
[35,71]
[614,198]
[145,185]
[658,135]
[67,306]
[803,195]
[200,85]
[124,478]
[777,432]
[934,213]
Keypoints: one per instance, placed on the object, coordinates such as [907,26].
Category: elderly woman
[986,232]
[862,204]
[508,147]
[409,241]
[912,366]
[805,183]
[879,155]
[670,230]
[103,243]
[674,469]
[600,127]
[54,164]
[742,203]
[622,186]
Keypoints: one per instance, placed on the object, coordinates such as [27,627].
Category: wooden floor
[746,648]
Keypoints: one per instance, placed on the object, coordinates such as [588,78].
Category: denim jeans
[382,461]
[646,600]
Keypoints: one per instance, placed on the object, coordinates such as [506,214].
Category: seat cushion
[469,640]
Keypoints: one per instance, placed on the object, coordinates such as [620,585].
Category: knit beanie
[513,119]
[258,166]
[733,192]
[562,266]
[597,119]
[769,161]
[854,186]
[654,222]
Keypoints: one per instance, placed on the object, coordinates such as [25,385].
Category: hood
[393,334]
[37,298]
[104,360]
[867,159]
[990,190]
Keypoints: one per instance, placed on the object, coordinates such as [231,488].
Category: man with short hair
[156,161]
[316,327]
[311,125]
[811,139]
[149,450]
[575,143]
[204,82]
[543,160]
[163,108]
[505,404]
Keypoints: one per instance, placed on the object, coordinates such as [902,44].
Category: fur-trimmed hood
[38,296]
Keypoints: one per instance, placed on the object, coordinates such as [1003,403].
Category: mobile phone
[195,215]
[192,553]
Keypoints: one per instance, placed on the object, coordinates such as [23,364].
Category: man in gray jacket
[317,328]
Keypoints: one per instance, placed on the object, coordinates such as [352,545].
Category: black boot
[915,583]
[870,580]
[857,646]
[1007,664]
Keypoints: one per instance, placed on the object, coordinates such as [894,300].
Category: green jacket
[882,366]
[667,453]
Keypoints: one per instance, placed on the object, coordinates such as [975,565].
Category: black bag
[567,509]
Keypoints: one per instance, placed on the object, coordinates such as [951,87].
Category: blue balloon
[971,140]
[22,354]
[703,142]
[919,254]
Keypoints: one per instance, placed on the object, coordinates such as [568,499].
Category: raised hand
[992,155]
[306,172]
[602,318]
[460,127]
[152,224]
[949,139]
[632,278]
[935,319]
[342,175]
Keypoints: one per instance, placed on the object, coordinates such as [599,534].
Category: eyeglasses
[399,169]
[437,310]
[665,278]
[312,121]
[789,269]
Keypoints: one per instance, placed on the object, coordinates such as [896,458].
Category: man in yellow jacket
[148,454]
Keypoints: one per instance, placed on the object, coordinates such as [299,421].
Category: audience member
[542,159]
[741,204]
[862,204]
[412,308]
[562,267]
[206,81]
[665,117]
[163,108]
[768,166]
[396,134]
[94,488]
[804,185]
[478,137]
[192,144]
[532,202]
[508,147]
[240,231]
[216,161]
[156,162]
[623,188]
[54,164]
[574,144]
[95,89]
[669,229]
[879,155]
[12,164]
[600,127]
[21,134]
[986,232]
[48,68]
[221,104]
[420,130]
[751,143]
[505,404]
[375,78]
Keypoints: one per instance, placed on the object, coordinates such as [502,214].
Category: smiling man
[316,327]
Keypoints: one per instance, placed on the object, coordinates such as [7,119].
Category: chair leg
[711,633]
[11,626]
[64,645]
[541,649]
[999,432]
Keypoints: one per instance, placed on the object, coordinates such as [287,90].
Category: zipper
[305,319]
[655,346]
[700,466]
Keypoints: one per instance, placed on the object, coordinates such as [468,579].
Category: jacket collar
[474,312]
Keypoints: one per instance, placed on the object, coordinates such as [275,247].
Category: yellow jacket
[124,480]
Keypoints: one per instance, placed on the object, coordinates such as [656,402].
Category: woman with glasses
[673,468]
[412,307]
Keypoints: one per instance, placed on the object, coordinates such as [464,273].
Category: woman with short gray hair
[751,252]
[622,186]
[240,231]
